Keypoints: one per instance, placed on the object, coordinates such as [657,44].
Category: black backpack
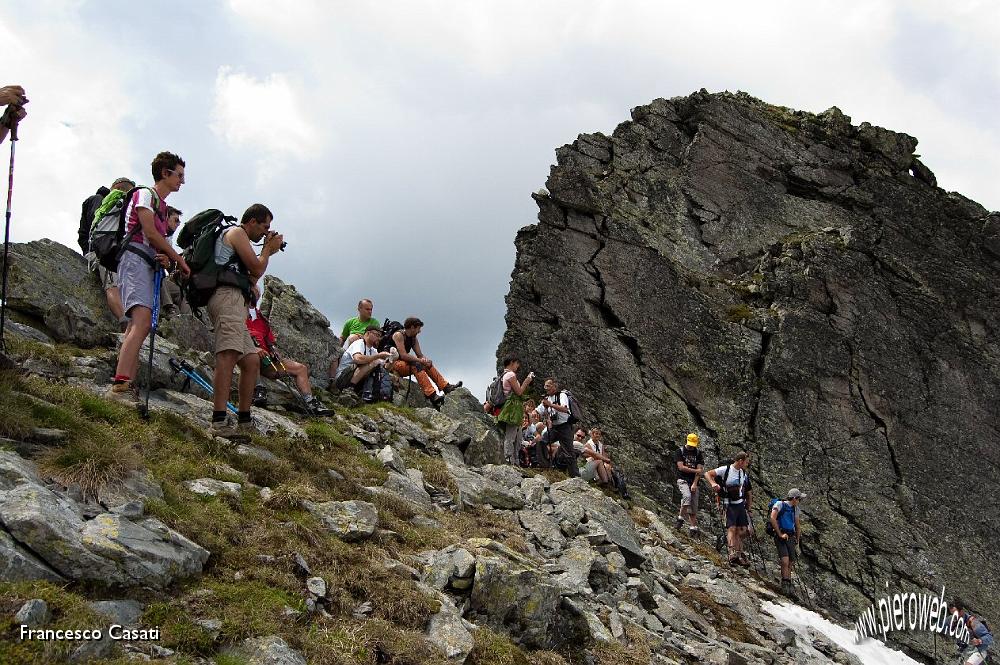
[107,237]
[575,410]
[197,239]
[494,392]
[389,328]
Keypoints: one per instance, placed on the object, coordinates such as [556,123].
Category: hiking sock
[219,416]
[243,417]
[120,378]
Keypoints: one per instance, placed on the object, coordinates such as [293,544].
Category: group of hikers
[534,434]
[545,433]
[144,275]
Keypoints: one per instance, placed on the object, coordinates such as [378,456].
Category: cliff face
[793,285]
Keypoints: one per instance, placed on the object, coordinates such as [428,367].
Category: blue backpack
[784,511]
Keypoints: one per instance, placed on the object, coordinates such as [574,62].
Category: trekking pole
[157,283]
[724,534]
[185,368]
[755,546]
[6,241]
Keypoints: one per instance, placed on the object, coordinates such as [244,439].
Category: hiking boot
[743,560]
[436,401]
[693,530]
[679,524]
[125,391]
[239,433]
[260,396]
[451,386]
[316,407]
[787,589]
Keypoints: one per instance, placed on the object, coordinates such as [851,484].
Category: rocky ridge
[379,535]
[795,285]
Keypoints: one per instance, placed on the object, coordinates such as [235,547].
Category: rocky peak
[791,284]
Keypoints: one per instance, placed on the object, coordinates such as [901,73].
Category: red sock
[121,378]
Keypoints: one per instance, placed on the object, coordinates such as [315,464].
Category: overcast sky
[398,142]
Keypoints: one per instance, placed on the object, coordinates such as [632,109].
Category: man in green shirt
[354,329]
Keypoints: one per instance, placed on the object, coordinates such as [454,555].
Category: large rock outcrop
[790,284]
[303,332]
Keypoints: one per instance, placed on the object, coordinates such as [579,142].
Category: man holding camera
[11,96]
[227,307]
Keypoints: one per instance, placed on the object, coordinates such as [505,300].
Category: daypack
[389,328]
[260,330]
[575,411]
[494,392]
[107,234]
[768,529]
[733,493]
[199,237]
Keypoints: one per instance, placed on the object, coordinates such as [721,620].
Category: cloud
[265,118]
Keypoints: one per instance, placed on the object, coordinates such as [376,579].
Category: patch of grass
[68,611]
[96,451]
[492,648]
[640,517]
[367,643]
[292,496]
[479,523]
[346,455]
[553,475]
[546,658]
[372,411]
[725,620]
[636,652]
[58,354]
[739,313]
[435,470]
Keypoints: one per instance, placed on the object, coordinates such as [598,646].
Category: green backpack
[198,239]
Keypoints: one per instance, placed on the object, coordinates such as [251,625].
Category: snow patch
[802,621]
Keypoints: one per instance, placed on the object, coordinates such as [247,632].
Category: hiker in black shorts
[732,484]
[784,520]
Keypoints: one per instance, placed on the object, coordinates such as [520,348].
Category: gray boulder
[516,597]
[446,629]
[213,487]
[303,333]
[574,496]
[270,650]
[33,613]
[350,521]
[475,490]
[49,282]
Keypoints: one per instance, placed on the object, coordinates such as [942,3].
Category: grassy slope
[248,582]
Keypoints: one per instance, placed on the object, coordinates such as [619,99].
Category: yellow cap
[693,440]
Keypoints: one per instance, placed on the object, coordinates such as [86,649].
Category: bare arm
[398,338]
[240,243]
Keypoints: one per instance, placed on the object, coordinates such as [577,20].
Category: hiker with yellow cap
[690,463]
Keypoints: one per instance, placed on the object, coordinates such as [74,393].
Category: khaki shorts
[228,310]
[689,495]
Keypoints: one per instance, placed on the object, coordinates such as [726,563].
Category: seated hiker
[273,366]
[413,361]
[361,366]
[598,462]
[979,633]
[353,329]
[732,483]
[784,519]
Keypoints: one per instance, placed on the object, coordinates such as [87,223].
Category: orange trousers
[424,377]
